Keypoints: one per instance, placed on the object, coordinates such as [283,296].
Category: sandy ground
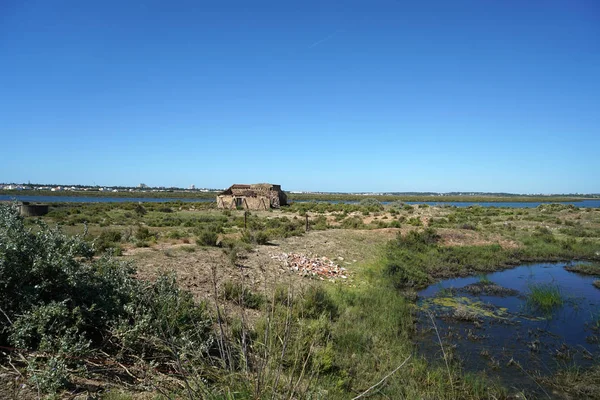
[200,267]
[197,270]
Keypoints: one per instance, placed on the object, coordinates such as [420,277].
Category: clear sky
[377,95]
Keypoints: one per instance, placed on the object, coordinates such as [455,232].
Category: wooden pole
[306,222]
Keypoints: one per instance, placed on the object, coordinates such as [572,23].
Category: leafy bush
[316,301]
[143,233]
[397,204]
[208,234]
[241,295]
[57,299]
[370,202]
[107,240]
[207,238]
[353,223]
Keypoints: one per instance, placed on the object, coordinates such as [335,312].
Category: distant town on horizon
[143,188]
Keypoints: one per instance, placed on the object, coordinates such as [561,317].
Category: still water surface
[71,199]
[513,341]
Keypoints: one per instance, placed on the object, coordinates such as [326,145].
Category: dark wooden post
[306,222]
[245,219]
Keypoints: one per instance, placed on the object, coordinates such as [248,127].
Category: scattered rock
[321,267]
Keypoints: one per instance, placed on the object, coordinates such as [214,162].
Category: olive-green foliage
[140,210]
[63,302]
[108,239]
[371,203]
[353,223]
[208,234]
[576,383]
[414,221]
[326,207]
[346,339]
[262,230]
[255,237]
[317,301]
[143,233]
[416,258]
[241,295]
[319,223]
[585,269]
[396,205]
[207,238]
[554,207]
[577,230]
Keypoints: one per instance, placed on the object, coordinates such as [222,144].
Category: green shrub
[207,238]
[140,210]
[353,223]
[107,240]
[316,301]
[319,223]
[62,301]
[143,233]
[261,237]
[242,296]
[371,203]
[396,205]
[415,221]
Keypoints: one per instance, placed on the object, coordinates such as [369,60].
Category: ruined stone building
[258,196]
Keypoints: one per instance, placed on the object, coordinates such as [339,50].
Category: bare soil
[198,268]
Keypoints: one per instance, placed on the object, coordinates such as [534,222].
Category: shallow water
[82,199]
[76,199]
[509,339]
[590,203]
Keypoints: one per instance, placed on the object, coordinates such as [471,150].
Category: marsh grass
[241,295]
[417,258]
[544,297]
[585,269]
[576,383]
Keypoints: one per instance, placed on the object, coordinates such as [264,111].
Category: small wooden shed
[258,196]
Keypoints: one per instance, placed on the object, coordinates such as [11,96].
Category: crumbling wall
[256,203]
[258,196]
[247,203]
[224,201]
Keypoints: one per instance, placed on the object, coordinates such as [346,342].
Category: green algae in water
[466,305]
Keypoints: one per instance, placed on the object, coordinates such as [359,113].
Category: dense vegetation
[64,311]
[61,307]
[73,310]
[416,259]
[293,197]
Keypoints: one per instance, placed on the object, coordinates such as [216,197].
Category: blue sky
[314,95]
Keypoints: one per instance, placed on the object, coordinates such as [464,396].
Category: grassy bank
[417,259]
